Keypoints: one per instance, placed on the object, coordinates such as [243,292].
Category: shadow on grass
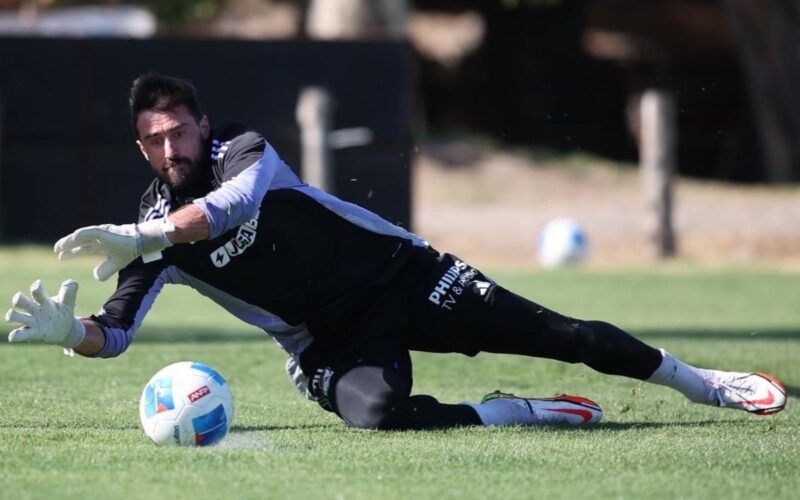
[246,333]
[253,334]
[299,427]
[204,334]
[726,334]
[602,427]
[186,334]
[339,426]
[70,426]
[626,426]
[793,391]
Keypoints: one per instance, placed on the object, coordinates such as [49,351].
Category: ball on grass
[186,404]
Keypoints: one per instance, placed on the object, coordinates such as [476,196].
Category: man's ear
[205,127]
[141,148]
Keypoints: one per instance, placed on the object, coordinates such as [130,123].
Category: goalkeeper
[345,293]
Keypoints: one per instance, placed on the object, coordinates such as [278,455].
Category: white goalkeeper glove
[118,244]
[45,319]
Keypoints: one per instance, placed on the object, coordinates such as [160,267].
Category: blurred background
[662,129]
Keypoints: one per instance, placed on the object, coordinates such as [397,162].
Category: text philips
[446,281]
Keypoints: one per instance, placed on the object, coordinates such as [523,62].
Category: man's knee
[374,411]
[370,397]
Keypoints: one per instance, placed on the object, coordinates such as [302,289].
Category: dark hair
[159,92]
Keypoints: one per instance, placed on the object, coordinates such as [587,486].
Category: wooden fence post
[314,109]
[657,157]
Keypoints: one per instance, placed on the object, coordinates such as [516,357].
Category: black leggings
[451,307]
[375,397]
[532,330]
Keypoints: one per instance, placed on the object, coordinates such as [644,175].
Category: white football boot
[755,392]
[559,410]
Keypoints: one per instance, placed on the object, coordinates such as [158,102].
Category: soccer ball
[562,242]
[186,404]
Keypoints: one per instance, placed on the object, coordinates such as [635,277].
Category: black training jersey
[282,255]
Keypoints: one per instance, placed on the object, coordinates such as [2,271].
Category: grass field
[69,428]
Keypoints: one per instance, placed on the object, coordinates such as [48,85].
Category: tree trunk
[768,38]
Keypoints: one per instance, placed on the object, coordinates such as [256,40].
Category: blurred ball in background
[562,242]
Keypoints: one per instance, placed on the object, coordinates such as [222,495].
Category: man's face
[173,141]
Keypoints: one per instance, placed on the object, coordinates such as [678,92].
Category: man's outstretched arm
[94,340]
[191,224]
[120,245]
[50,320]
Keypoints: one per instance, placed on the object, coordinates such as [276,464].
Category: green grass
[69,428]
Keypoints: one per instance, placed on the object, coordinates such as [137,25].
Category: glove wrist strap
[75,336]
[152,237]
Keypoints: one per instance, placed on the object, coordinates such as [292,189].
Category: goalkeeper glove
[118,244]
[45,319]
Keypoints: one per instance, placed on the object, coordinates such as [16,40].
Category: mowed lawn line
[69,427]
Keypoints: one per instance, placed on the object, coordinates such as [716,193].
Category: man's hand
[44,319]
[118,244]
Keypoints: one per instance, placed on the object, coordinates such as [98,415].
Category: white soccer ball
[562,242]
[186,404]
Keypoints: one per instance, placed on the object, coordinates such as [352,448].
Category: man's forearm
[191,224]
[94,340]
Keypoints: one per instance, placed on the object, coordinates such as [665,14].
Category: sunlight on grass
[69,427]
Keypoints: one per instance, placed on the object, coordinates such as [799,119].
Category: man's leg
[376,397]
[367,383]
[610,350]
[456,308]
[459,309]
[528,328]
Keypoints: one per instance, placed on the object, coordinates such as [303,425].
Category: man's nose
[170,149]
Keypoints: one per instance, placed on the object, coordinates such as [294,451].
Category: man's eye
[179,133]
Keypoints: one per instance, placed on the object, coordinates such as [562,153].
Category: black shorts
[437,303]
[433,305]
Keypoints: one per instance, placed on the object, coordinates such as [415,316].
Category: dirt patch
[489,207]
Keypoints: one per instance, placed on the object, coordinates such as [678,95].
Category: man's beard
[183,175]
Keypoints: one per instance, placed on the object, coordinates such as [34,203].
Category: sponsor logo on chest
[236,245]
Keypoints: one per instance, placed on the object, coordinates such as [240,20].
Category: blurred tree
[174,12]
[768,37]
[170,13]
[350,19]
[514,4]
